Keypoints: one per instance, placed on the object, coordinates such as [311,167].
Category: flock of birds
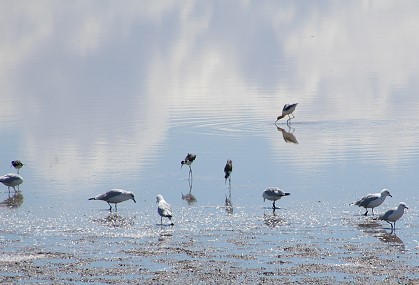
[164,209]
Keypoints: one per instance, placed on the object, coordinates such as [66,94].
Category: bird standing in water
[393,215]
[164,209]
[190,157]
[273,194]
[11,180]
[228,169]
[372,200]
[115,196]
[17,164]
[287,111]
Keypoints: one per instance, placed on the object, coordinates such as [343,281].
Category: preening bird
[372,200]
[287,111]
[11,180]
[393,215]
[17,164]
[115,196]
[164,209]
[228,169]
[273,194]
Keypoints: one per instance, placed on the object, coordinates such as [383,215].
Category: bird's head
[403,205]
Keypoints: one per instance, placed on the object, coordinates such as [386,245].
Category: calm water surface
[108,95]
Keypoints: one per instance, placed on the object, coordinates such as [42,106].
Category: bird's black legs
[366,213]
[372,211]
[110,207]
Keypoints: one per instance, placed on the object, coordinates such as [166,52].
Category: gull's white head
[159,198]
[385,192]
[402,205]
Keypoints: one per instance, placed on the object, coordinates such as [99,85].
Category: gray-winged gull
[115,196]
[164,209]
[393,215]
[273,194]
[372,200]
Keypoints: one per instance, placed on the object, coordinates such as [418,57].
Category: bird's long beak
[134,200]
[390,195]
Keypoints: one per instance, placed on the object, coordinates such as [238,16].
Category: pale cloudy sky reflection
[107,78]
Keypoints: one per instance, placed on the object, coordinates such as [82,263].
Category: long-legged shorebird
[273,194]
[228,169]
[11,180]
[190,157]
[17,164]
[115,196]
[372,200]
[287,111]
[164,209]
[393,215]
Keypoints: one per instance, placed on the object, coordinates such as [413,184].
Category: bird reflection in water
[373,228]
[228,203]
[13,201]
[288,136]
[115,220]
[190,198]
[273,220]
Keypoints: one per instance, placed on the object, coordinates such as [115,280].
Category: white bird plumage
[372,200]
[273,194]
[164,209]
[11,180]
[115,196]
[393,215]
[287,111]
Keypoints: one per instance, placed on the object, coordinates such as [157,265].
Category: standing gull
[164,209]
[393,215]
[372,200]
[17,164]
[228,168]
[115,196]
[190,157]
[287,111]
[273,194]
[11,180]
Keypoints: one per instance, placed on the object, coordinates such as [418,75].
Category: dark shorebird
[11,180]
[115,196]
[164,209]
[17,164]
[190,157]
[287,111]
[273,194]
[393,215]
[372,200]
[228,169]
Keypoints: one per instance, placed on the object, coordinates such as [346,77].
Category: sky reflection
[102,84]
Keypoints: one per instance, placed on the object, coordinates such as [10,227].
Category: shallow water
[97,97]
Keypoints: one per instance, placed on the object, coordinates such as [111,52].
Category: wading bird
[115,196]
[190,157]
[287,111]
[372,200]
[164,209]
[228,169]
[17,164]
[393,215]
[273,194]
[11,180]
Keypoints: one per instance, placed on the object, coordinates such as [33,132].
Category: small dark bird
[115,196]
[164,209]
[287,111]
[17,164]
[273,194]
[227,170]
[188,161]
